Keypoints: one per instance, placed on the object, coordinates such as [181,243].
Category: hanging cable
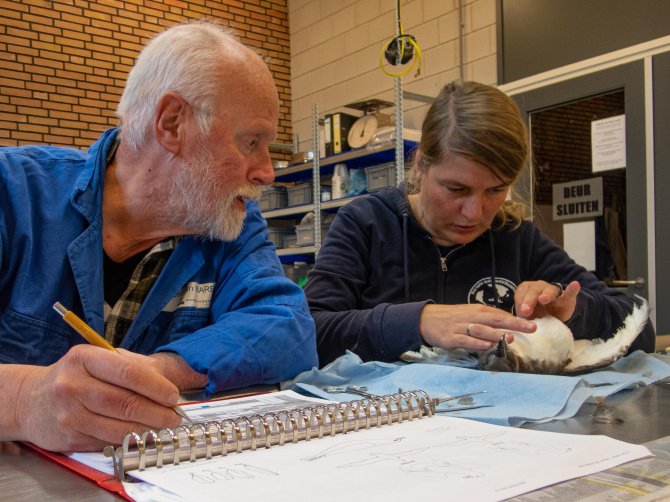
[400,50]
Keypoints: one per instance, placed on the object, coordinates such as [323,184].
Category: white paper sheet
[608,143]
[579,241]
[462,459]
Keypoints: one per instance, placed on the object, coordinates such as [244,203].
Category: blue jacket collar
[86,198]
[87,194]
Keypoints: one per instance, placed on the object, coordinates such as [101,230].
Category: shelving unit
[319,167]
[360,157]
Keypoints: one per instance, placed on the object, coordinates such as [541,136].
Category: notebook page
[471,460]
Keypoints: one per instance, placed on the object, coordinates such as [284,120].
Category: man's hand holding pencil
[91,397]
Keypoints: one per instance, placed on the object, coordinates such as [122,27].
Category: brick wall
[562,146]
[63,63]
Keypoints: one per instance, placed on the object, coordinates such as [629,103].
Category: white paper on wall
[579,241]
[608,143]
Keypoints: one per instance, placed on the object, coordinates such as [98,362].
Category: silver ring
[467,331]
[560,289]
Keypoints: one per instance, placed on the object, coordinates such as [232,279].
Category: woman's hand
[471,327]
[539,298]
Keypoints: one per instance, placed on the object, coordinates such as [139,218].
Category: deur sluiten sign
[578,199]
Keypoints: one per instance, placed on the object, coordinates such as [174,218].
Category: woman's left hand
[539,298]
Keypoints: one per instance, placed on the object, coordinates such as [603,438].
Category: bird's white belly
[551,342]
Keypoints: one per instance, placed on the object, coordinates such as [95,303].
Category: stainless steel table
[645,413]
[27,476]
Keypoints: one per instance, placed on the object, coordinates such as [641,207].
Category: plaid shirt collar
[119,317]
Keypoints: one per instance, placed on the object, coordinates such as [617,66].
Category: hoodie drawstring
[405,254]
[493,270]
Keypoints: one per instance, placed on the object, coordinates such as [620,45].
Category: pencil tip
[58,307]
[183,414]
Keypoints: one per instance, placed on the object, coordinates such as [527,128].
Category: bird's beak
[501,349]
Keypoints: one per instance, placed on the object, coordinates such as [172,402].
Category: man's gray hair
[185,59]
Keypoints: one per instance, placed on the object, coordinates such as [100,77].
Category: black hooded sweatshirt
[378,268]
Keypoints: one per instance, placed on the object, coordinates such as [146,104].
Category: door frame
[637,59]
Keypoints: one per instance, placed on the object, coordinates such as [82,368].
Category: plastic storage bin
[300,194]
[289,240]
[276,235]
[380,176]
[305,233]
[274,197]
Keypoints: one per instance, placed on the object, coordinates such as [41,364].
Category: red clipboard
[107,481]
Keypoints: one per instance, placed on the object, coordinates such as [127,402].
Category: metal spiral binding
[206,440]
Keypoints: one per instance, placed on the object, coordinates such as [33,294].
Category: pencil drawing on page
[434,460]
[442,459]
[229,473]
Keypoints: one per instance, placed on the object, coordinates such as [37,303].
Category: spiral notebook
[236,426]
[384,447]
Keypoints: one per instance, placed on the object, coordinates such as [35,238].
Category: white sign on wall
[608,143]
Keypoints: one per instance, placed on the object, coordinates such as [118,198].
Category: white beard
[552,349]
[195,202]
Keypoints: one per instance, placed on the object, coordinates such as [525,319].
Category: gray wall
[539,35]
[661,68]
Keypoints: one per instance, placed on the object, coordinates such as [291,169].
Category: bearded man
[153,237]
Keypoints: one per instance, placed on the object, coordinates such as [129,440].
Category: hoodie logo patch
[482,292]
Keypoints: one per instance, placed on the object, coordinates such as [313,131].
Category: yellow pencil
[95,339]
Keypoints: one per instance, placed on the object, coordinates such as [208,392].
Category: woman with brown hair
[448,260]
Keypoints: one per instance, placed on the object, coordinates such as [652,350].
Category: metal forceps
[470,405]
[438,400]
[464,400]
[350,389]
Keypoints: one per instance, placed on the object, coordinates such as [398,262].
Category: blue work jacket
[225,307]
